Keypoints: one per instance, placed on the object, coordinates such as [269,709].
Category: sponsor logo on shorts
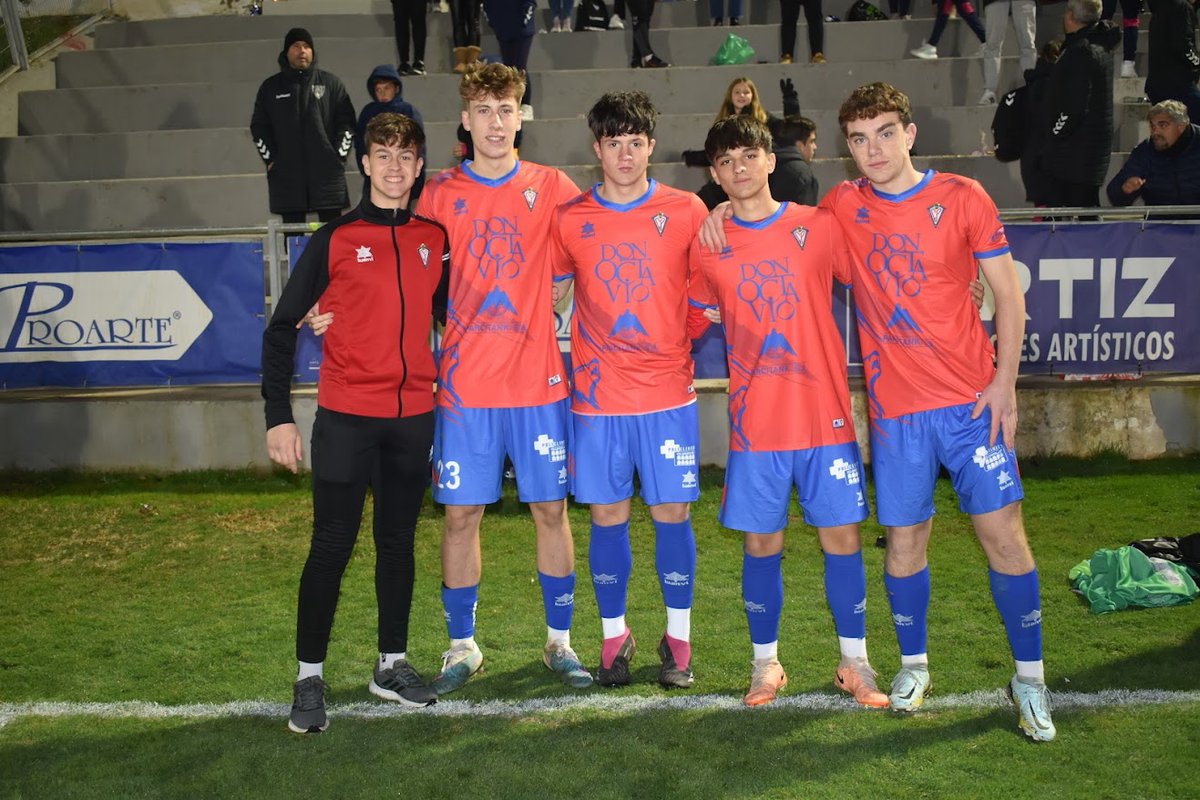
[676,578]
[845,471]
[902,621]
[604,579]
[988,458]
[564,600]
[1004,480]
[689,480]
[682,456]
[562,476]
[553,449]
[861,606]
[1032,618]
[755,608]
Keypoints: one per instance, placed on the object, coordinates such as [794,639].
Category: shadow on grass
[1166,668]
[776,753]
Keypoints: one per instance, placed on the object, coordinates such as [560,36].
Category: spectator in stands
[464,24]
[513,23]
[385,86]
[900,9]
[1163,170]
[741,97]
[716,10]
[794,143]
[995,24]
[1034,180]
[564,16]
[814,18]
[1130,11]
[1076,115]
[966,12]
[1174,62]
[409,15]
[640,12]
[617,21]
[303,127]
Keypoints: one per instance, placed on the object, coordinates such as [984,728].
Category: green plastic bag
[734,50]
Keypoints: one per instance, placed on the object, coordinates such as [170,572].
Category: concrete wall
[188,429]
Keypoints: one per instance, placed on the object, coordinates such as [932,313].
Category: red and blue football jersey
[629,344]
[913,255]
[499,348]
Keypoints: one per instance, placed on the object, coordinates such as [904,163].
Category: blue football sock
[558,598]
[610,560]
[762,592]
[846,593]
[675,560]
[1016,598]
[909,600]
[460,610]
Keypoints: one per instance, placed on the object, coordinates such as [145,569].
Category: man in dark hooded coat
[303,127]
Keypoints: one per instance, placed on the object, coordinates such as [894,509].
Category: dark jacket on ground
[303,125]
[1076,116]
[384,273]
[1173,58]
[1172,176]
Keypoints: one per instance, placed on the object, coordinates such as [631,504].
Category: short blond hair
[491,80]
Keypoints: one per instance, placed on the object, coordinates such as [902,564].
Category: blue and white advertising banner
[308,345]
[130,314]
[1113,298]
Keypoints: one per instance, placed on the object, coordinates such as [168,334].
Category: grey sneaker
[670,675]
[308,706]
[560,659]
[459,663]
[1033,709]
[909,688]
[401,684]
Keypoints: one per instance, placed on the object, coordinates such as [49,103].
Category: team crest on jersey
[318,91]
[530,197]
[588,231]
[423,252]
[800,234]
[660,222]
[363,254]
[935,213]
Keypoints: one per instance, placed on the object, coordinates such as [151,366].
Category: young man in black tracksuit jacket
[374,423]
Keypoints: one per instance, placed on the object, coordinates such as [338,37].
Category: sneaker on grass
[401,684]
[909,688]
[459,663]
[1032,700]
[767,679]
[855,677]
[560,659]
[308,706]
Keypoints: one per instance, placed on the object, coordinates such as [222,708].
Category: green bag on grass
[1124,578]
[734,50]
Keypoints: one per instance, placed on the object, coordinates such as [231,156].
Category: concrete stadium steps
[559,94]
[229,151]
[352,56]
[232,200]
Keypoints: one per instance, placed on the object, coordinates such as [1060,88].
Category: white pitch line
[603,703]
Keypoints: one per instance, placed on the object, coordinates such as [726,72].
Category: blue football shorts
[907,451]
[758,487]
[661,446]
[469,445]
